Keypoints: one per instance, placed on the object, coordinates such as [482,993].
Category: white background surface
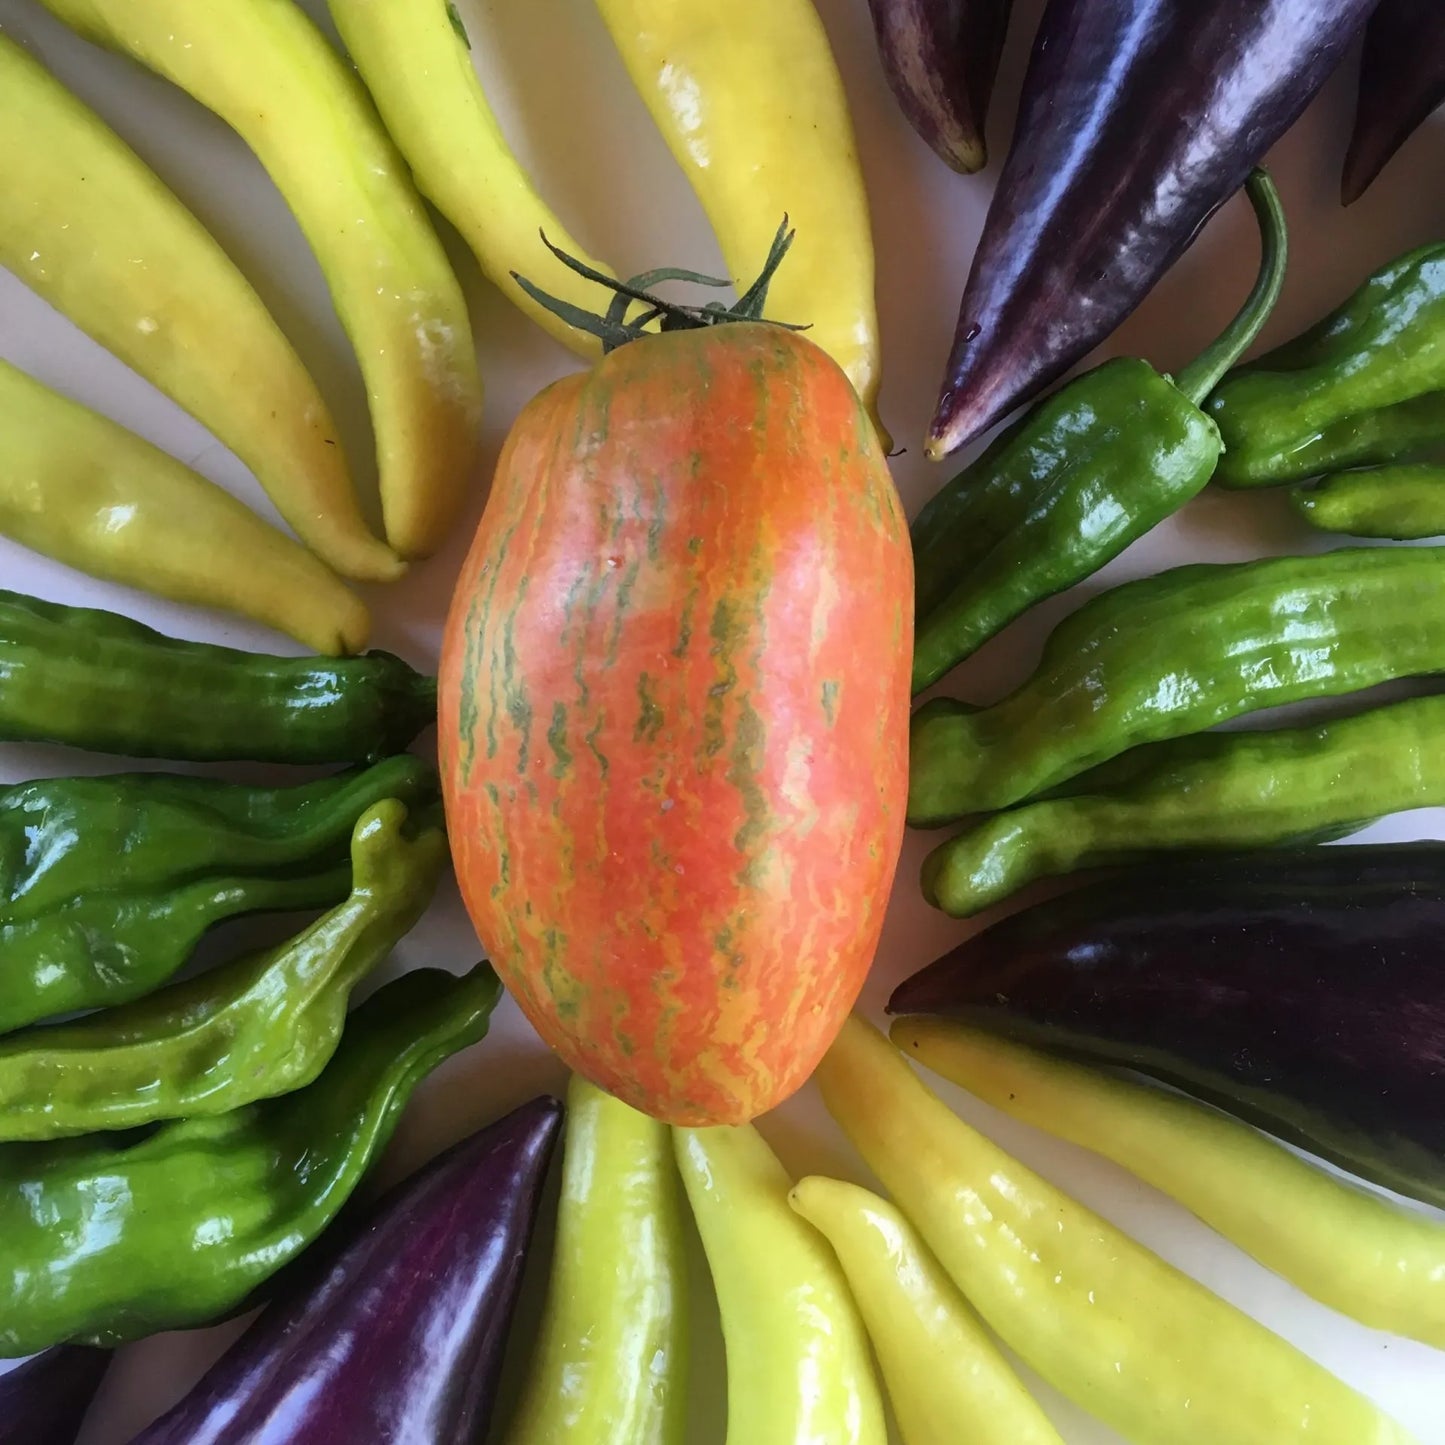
[567,106]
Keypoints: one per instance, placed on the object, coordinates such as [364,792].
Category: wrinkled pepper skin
[1402,80]
[97,680]
[1302,993]
[418,66]
[798,1363]
[1138,119]
[393,1333]
[1357,400]
[751,104]
[1123,1334]
[269,73]
[105,1241]
[611,1363]
[45,1400]
[1174,654]
[946,1379]
[941,58]
[1218,790]
[90,227]
[262,1025]
[1355,1251]
[108,884]
[673,725]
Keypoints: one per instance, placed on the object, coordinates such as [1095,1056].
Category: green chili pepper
[611,1364]
[106,1240]
[107,884]
[1122,1333]
[1217,790]
[1087,472]
[1178,653]
[1359,400]
[1355,1251]
[260,1026]
[99,681]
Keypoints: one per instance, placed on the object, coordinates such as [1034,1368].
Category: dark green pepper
[1175,654]
[1088,471]
[109,1239]
[262,1025]
[99,681]
[107,884]
[1357,401]
[1225,790]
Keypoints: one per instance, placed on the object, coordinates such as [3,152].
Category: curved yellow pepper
[749,99]
[85,491]
[799,1369]
[419,71]
[86,224]
[264,68]
[1126,1336]
[946,1379]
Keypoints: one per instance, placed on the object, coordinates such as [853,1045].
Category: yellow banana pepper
[946,1379]
[419,70]
[85,491]
[749,99]
[799,1369]
[93,230]
[264,68]
[1112,1326]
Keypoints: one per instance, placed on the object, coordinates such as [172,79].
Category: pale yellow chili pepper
[265,69]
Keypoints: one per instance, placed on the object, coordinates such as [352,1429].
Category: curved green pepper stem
[1204,373]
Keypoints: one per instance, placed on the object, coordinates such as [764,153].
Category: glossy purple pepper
[1402,79]
[396,1334]
[44,1401]
[1138,118]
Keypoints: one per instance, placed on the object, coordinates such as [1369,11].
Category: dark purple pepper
[396,1334]
[1138,119]
[44,1401]
[1402,79]
[941,59]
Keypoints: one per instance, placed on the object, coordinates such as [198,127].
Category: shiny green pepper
[1088,471]
[109,1239]
[1357,401]
[99,681]
[1216,790]
[1176,654]
[107,884]
[259,1026]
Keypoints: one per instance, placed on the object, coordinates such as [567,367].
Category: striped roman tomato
[674,716]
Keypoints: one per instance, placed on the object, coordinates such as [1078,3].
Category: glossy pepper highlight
[260,1026]
[798,1362]
[750,102]
[79,488]
[1357,1252]
[96,680]
[108,884]
[268,72]
[86,224]
[1146,1349]
[1087,472]
[106,1241]
[611,1363]
[1177,653]
[946,1379]
[1217,790]
[1357,402]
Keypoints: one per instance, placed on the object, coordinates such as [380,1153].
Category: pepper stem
[612,327]
[1204,373]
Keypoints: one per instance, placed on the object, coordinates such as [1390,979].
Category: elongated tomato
[674,706]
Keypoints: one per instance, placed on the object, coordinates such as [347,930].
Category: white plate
[567,105]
